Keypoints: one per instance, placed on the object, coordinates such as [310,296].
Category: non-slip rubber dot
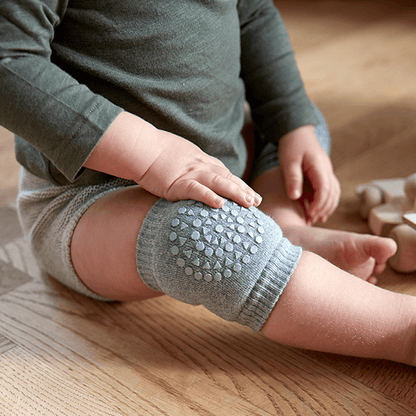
[217,277]
[246,259]
[174,250]
[227,273]
[219,252]
[200,245]
[219,228]
[229,247]
[175,222]
[195,235]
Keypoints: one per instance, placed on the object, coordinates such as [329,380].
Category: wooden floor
[62,354]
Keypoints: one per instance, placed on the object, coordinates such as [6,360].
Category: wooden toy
[404,260]
[390,208]
[380,192]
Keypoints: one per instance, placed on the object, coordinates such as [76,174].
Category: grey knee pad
[234,261]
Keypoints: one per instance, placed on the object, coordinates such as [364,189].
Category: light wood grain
[187,356]
[29,385]
[64,354]
[5,344]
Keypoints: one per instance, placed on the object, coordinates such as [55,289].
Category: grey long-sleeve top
[69,67]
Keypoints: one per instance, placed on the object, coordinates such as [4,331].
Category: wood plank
[11,278]
[394,380]
[5,344]
[128,373]
[29,385]
[180,354]
[9,225]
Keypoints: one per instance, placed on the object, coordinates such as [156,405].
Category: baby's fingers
[317,208]
[333,200]
[325,200]
[193,189]
[212,188]
[233,188]
[293,179]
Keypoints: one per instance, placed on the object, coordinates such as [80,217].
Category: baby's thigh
[82,235]
[103,247]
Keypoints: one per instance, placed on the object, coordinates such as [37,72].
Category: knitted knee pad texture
[234,261]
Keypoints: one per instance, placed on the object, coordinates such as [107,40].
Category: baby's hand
[302,157]
[166,165]
[183,171]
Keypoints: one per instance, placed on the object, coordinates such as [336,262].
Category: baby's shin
[234,261]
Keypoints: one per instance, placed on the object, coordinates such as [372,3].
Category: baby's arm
[281,108]
[166,165]
[274,88]
[304,162]
[70,124]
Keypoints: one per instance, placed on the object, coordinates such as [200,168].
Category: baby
[128,120]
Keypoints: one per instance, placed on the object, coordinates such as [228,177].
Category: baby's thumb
[294,180]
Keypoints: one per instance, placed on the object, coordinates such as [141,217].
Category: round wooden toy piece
[404,261]
[370,197]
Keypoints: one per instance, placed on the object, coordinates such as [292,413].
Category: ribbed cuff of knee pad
[270,285]
[147,262]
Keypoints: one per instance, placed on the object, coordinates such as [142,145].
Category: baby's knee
[234,261]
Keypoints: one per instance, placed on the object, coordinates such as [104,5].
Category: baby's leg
[233,260]
[326,309]
[216,258]
[359,254]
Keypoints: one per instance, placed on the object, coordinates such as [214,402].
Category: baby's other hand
[183,171]
[305,164]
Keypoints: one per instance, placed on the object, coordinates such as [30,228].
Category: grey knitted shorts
[48,215]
